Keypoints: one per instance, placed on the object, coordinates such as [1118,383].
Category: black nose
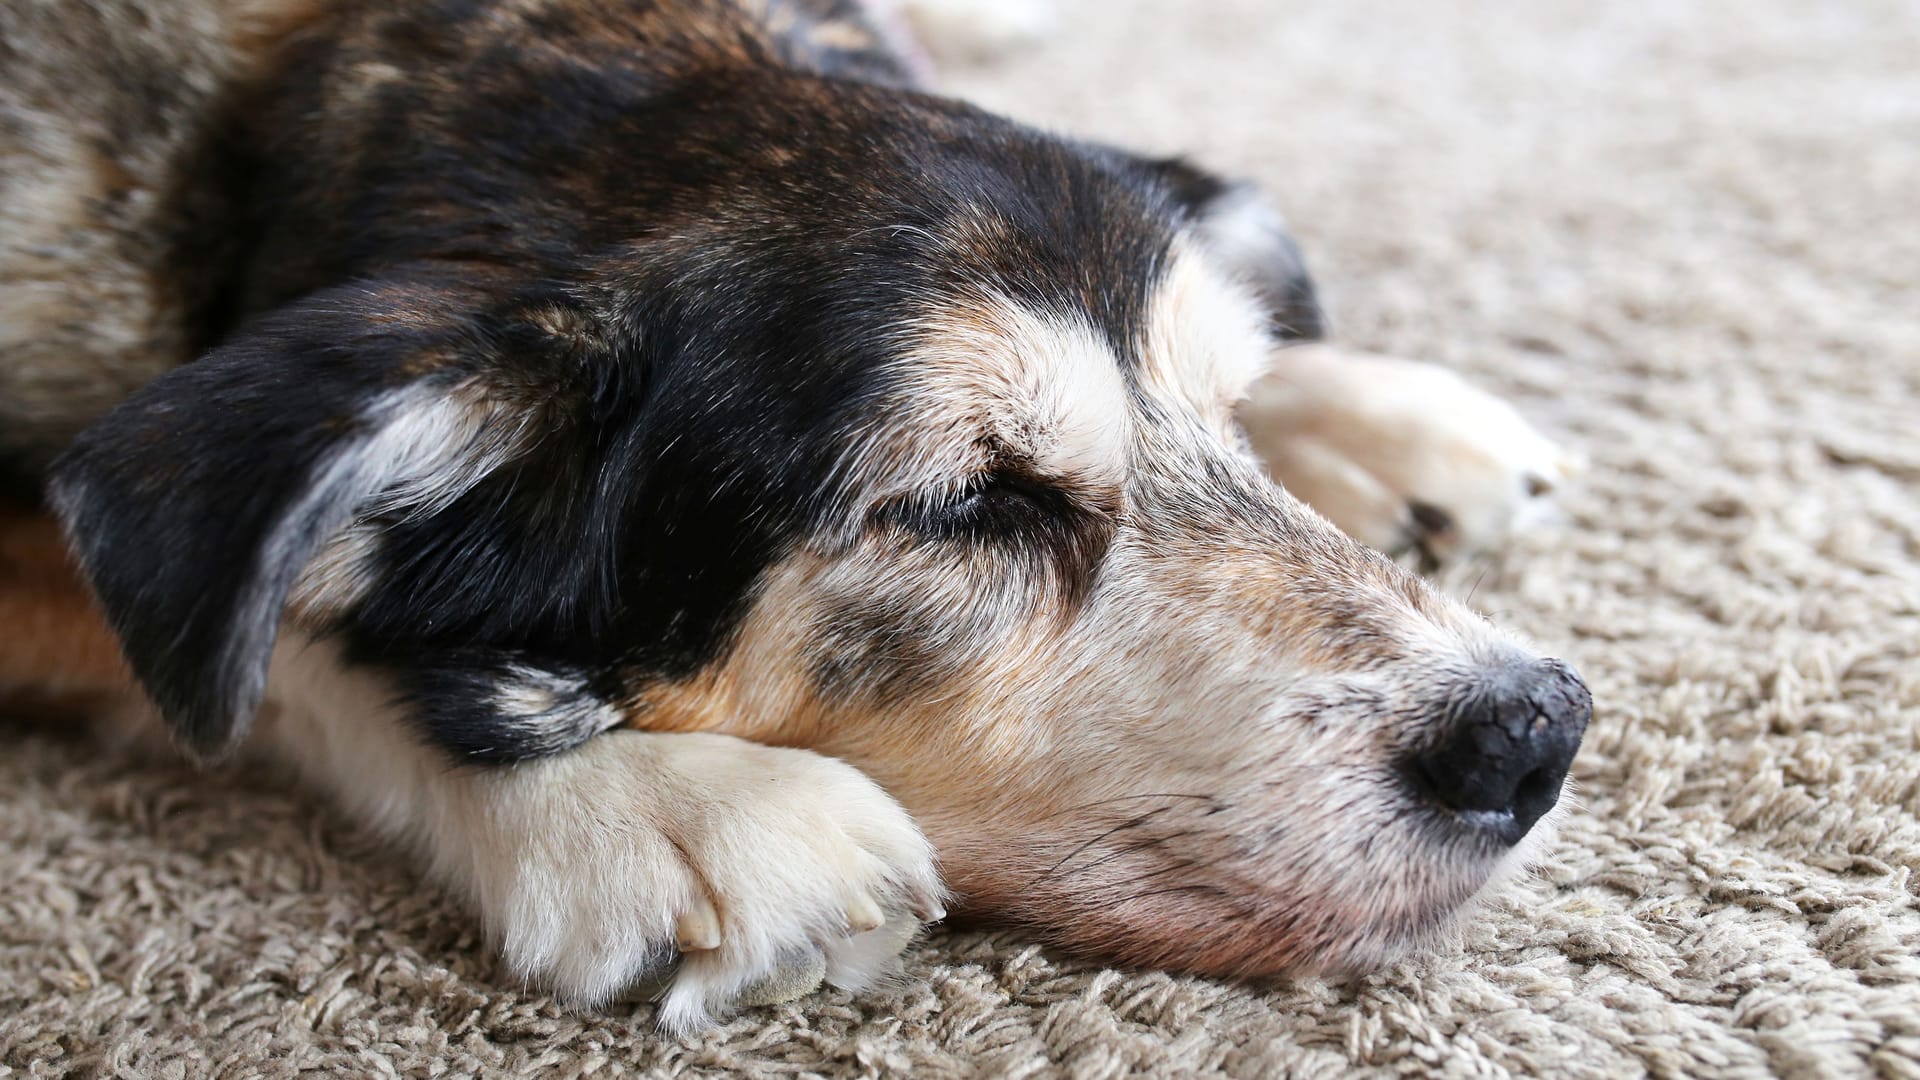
[1512,738]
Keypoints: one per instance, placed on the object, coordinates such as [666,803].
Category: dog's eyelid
[969,484]
[966,501]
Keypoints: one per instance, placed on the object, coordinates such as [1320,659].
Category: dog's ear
[1250,238]
[196,504]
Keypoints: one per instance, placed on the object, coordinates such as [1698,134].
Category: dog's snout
[1501,764]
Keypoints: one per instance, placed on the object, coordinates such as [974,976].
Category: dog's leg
[56,653]
[708,862]
[1404,456]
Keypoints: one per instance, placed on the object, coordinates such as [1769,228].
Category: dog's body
[563,366]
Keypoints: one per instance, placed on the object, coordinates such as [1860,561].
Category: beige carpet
[1685,236]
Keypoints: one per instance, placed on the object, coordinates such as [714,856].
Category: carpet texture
[1684,237]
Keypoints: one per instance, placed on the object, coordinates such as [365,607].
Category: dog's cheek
[896,631]
[866,653]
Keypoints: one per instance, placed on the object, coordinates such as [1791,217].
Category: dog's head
[867,423]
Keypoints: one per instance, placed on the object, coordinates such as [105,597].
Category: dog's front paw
[730,872]
[1405,457]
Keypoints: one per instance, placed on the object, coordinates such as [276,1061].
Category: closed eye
[994,505]
[1004,513]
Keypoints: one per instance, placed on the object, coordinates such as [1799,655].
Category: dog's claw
[698,929]
[864,915]
[927,907]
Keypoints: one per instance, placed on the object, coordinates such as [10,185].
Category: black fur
[20,484]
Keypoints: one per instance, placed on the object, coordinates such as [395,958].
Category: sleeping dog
[675,476]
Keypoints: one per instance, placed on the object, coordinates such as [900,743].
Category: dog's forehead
[983,372]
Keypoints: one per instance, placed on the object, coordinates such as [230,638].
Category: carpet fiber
[1684,237]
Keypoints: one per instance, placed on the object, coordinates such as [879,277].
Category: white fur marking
[1207,339]
[1042,386]
[431,446]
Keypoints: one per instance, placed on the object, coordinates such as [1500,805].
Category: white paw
[720,867]
[1406,457]
[974,30]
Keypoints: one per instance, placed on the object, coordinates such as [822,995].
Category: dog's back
[101,104]
[126,127]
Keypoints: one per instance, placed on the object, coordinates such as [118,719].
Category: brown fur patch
[57,651]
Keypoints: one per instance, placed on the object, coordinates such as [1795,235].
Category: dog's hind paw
[718,872]
[1404,456]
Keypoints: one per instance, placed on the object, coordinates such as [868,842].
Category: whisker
[1484,571]
[1124,798]
[1135,823]
[1131,848]
[1213,889]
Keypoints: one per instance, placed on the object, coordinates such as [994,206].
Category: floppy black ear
[195,505]
[1250,238]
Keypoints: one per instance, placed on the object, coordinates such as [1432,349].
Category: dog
[717,504]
